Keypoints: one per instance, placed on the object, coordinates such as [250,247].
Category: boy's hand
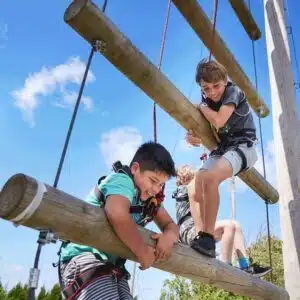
[164,246]
[147,259]
[193,140]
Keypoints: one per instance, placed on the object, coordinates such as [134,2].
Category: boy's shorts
[187,231]
[105,287]
[234,158]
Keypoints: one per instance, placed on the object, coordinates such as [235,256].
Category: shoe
[257,270]
[205,244]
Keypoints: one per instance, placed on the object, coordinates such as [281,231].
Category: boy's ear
[135,167]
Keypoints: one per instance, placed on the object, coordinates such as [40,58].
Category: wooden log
[286,126]
[243,13]
[85,18]
[202,26]
[75,220]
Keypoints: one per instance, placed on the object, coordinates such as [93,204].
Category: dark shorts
[103,288]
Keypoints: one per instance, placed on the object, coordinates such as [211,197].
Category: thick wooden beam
[202,26]
[85,18]
[286,127]
[75,220]
[243,13]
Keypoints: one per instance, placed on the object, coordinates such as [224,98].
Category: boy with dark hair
[225,106]
[129,197]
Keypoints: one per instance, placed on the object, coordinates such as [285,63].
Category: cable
[41,241]
[162,48]
[262,153]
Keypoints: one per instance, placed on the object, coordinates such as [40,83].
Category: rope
[162,48]
[291,34]
[262,154]
[161,55]
[31,290]
[214,21]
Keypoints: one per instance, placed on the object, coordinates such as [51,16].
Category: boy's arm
[217,118]
[117,211]
[169,235]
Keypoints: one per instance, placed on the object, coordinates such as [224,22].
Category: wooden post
[75,220]
[286,127]
[246,19]
[85,18]
[202,26]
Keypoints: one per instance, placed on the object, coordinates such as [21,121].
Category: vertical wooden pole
[286,128]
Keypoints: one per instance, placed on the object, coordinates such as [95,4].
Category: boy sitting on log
[225,106]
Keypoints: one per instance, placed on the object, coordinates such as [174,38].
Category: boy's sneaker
[205,244]
[257,270]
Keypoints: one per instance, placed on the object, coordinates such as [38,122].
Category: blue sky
[41,64]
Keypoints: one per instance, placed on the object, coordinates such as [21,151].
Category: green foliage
[258,251]
[20,292]
[55,293]
[2,292]
[42,294]
[182,289]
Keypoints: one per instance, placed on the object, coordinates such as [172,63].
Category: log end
[74,9]
[11,195]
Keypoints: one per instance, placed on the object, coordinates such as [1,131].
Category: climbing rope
[214,21]
[41,241]
[262,153]
[161,54]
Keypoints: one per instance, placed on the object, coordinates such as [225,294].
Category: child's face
[150,183]
[213,91]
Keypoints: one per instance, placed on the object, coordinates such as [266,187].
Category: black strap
[183,219]
[243,158]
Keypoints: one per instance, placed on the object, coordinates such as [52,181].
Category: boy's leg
[204,202]
[187,232]
[225,231]
[239,241]
[239,245]
[207,191]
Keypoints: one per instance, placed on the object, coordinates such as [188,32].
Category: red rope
[162,48]
[214,20]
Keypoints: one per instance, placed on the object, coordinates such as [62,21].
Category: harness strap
[243,158]
[183,219]
[83,279]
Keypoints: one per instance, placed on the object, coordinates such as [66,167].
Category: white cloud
[50,80]
[120,144]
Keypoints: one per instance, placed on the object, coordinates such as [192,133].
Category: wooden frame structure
[86,19]
[33,204]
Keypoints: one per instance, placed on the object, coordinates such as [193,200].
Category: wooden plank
[286,127]
[75,220]
[243,13]
[85,18]
[202,26]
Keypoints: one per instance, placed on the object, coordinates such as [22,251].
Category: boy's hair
[210,71]
[154,157]
[185,174]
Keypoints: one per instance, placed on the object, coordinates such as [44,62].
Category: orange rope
[162,48]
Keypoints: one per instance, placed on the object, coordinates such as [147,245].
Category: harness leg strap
[243,158]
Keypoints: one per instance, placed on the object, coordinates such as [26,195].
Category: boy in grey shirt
[225,106]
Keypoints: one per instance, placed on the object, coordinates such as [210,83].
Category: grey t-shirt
[241,119]
[182,202]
